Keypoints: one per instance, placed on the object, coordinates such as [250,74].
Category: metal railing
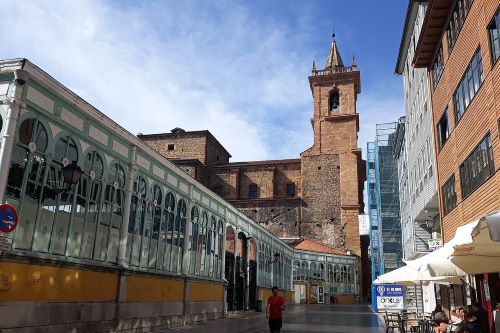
[333,70]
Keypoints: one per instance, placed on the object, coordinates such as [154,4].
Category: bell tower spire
[334,59]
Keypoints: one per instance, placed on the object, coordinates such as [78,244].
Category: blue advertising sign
[390,297]
[390,290]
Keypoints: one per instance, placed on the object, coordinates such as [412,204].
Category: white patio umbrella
[477,245]
[437,263]
[409,277]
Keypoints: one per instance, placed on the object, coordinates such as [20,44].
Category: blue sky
[236,68]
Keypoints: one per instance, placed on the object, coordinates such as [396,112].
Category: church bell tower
[333,171]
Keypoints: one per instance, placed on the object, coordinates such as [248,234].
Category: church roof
[334,59]
[309,245]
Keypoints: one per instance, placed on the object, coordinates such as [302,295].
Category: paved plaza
[298,319]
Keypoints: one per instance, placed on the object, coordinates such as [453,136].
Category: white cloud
[153,66]
[156,66]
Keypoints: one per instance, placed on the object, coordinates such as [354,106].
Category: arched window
[28,164]
[169,221]
[321,271]
[65,153]
[178,236]
[111,213]
[336,274]
[296,270]
[220,249]
[203,243]
[305,270]
[334,101]
[312,272]
[330,274]
[209,258]
[195,216]
[136,227]
[87,238]
[157,222]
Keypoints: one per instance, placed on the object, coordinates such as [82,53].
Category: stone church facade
[317,196]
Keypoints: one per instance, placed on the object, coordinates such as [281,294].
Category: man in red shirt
[274,311]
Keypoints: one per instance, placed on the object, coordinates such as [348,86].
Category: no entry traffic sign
[8,218]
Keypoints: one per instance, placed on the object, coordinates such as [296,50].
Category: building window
[477,168]
[219,190]
[449,195]
[334,101]
[290,190]
[437,67]
[457,20]
[253,191]
[494,34]
[443,129]
[170,147]
[468,86]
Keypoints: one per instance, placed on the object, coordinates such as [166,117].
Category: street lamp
[276,257]
[71,176]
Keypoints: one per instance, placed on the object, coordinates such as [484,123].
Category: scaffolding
[383,202]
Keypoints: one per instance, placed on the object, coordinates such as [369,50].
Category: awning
[408,276]
[477,245]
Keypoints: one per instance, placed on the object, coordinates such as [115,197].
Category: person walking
[274,311]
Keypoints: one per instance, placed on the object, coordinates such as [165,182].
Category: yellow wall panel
[202,291]
[345,299]
[152,289]
[24,282]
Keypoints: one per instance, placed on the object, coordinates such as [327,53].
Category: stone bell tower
[332,170]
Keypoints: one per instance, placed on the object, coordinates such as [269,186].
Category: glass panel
[75,237]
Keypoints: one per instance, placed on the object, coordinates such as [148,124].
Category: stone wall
[215,153]
[280,216]
[270,177]
[185,146]
[321,217]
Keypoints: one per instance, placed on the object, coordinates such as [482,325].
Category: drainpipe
[122,246]
[14,109]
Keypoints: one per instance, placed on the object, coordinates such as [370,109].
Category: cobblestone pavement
[298,319]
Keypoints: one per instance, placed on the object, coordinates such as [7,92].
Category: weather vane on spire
[333,33]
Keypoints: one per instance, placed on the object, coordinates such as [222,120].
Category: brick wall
[480,117]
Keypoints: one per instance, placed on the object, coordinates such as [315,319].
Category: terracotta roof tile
[309,245]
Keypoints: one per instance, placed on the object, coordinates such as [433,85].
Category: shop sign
[5,244]
[435,243]
[390,297]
